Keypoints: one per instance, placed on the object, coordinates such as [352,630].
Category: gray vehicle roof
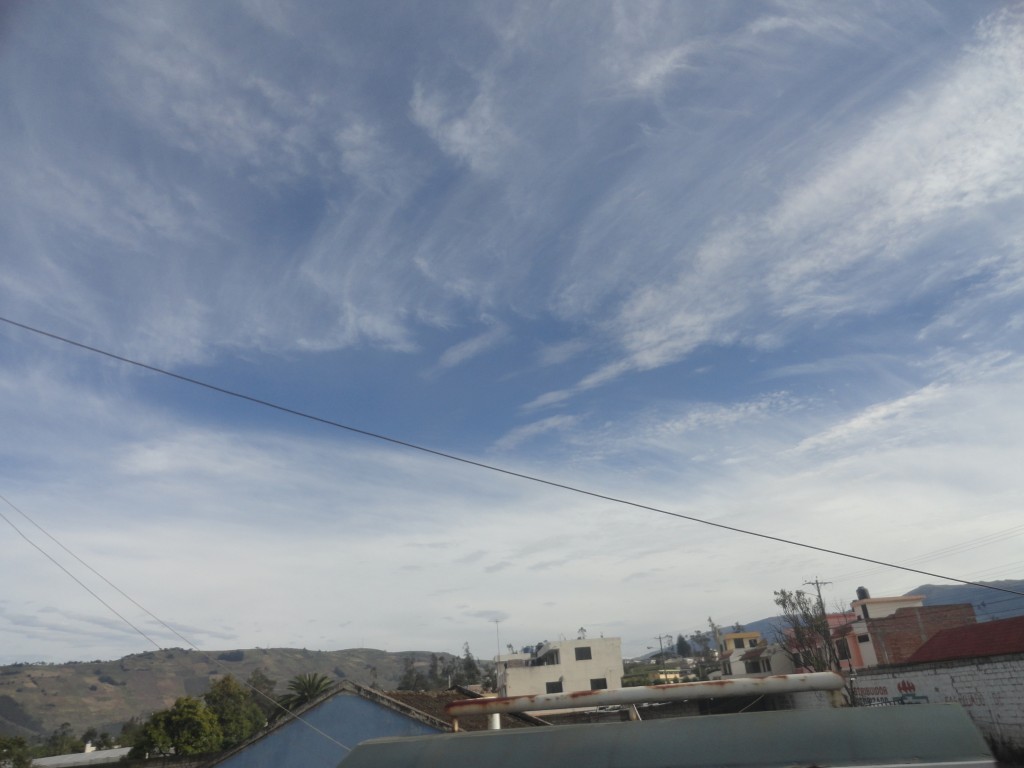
[920,734]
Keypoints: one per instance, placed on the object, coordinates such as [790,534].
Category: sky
[756,264]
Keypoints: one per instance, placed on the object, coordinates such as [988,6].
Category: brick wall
[990,689]
[896,637]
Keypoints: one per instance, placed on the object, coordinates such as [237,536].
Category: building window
[598,683]
[842,649]
[555,687]
[863,639]
[752,667]
[726,668]
[739,642]
[583,654]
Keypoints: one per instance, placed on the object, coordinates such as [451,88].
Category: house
[348,714]
[747,654]
[888,630]
[993,638]
[89,757]
[562,666]
[978,666]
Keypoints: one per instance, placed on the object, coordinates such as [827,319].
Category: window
[863,639]
[739,642]
[583,654]
[598,683]
[752,667]
[555,687]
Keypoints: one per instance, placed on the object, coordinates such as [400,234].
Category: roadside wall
[990,689]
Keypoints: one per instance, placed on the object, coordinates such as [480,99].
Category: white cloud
[556,354]
[475,135]
[519,435]
[851,235]
[470,348]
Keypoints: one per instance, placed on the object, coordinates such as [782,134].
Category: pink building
[888,630]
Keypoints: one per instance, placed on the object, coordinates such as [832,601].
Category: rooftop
[990,638]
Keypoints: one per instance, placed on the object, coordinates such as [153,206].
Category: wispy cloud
[470,348]
[925,168]
[519,435]
[473,134]
[760,262]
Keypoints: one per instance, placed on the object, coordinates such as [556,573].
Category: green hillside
[35,699]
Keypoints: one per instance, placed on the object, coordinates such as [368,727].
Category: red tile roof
[990,638]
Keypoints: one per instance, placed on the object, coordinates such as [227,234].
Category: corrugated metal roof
[927,733]
[98,757]
[990,638]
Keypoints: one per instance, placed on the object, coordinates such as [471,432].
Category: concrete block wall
[990,689]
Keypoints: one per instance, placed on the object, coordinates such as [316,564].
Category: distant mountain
[989,604]
[35,699]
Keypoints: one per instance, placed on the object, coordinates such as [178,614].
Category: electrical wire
[133,601]
[996,537]
[490,467]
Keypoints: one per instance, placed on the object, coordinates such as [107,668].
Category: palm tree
[303,689]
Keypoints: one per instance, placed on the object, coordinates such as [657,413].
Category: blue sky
[755,263]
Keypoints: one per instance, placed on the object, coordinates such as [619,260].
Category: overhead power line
[157,619]
[492,467]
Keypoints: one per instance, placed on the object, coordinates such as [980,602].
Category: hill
[988,604]
[35,699]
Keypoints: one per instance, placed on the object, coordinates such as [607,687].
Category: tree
[434,672]
[303,689]
[238,715]
[470,669]
[15,752]
[187,728]
[682,647]
[131,732]
[804,632]
[261,688]
[63,742]
[97,739]
[412,679]
[701,643]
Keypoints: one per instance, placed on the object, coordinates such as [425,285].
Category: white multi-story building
[562,667]
[746,654]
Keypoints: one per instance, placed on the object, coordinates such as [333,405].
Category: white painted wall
[989,689]
[605,662]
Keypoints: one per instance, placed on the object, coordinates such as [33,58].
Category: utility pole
[825,631]
[817,586]
[716,637]
[497,659]
[830,648]
[661,655]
